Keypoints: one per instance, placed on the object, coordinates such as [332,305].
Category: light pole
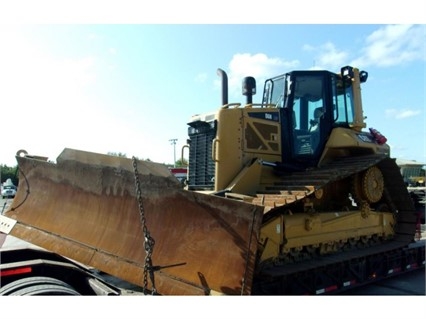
[173,142]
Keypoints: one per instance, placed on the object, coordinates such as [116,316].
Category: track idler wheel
[369,185]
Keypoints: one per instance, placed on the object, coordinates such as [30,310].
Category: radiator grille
[201,169]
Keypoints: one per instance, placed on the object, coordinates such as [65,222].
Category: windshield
[309,91]
[274,91]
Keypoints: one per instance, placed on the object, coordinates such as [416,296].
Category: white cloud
[331,57]
[401,113]
[201,77]
[328,56]
[308,47]
[246,64]
[259,66]
[43,98]
[394,45]
[389,45]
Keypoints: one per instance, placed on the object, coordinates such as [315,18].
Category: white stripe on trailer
[320,291]
[349,283]
[327,289]
[412,266]
[395,270]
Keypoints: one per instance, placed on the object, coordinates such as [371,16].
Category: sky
[107,76]
[132,88]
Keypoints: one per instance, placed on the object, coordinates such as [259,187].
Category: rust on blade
[84,207]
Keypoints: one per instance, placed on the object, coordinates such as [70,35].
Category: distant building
[413,172]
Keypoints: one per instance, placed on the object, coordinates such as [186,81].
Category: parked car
[8,191]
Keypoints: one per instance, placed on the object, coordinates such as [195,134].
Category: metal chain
[149,241]
[27,192]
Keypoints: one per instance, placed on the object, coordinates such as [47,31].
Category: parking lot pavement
[4,204]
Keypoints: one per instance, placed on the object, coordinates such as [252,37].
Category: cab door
[308,118]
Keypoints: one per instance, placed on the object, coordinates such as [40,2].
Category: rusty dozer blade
[85,207]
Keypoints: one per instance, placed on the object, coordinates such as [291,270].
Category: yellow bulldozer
[271,186]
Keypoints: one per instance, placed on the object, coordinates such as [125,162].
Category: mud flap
[85,207]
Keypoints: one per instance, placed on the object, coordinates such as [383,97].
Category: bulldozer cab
[311,104]
[290,130]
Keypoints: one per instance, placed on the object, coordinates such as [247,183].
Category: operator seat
[314,129]
[318,112]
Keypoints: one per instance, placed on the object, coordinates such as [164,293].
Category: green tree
[181,162]
[9,172]
[119,154]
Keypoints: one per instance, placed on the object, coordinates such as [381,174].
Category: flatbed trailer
[35,271]
[331,275]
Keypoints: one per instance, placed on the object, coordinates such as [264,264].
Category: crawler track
[297,186]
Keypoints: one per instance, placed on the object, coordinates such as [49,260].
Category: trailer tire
[45,290]
[20,285]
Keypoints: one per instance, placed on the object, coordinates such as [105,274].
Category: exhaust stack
[224,78]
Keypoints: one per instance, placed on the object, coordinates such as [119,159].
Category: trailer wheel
[45,290]
[20,286]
